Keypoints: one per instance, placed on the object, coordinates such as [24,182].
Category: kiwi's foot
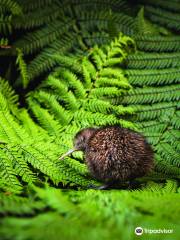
[103,187]
[132,184]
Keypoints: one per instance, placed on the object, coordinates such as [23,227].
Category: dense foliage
[70,64]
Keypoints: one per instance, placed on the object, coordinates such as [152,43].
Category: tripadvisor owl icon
[138,231]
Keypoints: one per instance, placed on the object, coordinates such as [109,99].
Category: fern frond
[31,19]
[149,112]
[13,204]
[168,153]
[46,161]
[158,43]
[43,62]
[32,5]
[141,60]
[89,72]
[170,186]
[90,19]
[167,168]
[163,17]
[143,26]
[57,110]
[69,62]
[40,160]
[30,126]
[19,164]
[5,24]
[113,82]
[102,106]
[108,92]
[10,130]
[83,94]
[12,6]
[45,119]
[9,94]
[174,6]
[40,38]
[153,76]
[61,89]
[73,83]
[152,94]
[96,38]
[3,103]
[80,168]
[7,172]
[175,120]
[87,118]
[172,137]
[22,68]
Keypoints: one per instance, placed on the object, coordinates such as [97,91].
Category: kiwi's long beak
[67,153]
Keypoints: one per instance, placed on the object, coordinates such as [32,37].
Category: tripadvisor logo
[138,231]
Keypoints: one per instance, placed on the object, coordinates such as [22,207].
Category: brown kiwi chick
[114,154]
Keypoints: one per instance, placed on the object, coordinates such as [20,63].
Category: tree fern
[158,43]
[8,173]
[152,95]
[93,206]
[8,10]
[75,76]
[75,22]
[77,97]
[142,60]
[21,151]
[156,116]
[143,26]
[56,107]
[163,17]
[22,68]
[30,20]
[168,169]
[30,126]
[174,6]
[40,38]
[149,112]
[89,19]
[25,152]
[31,5]
[44,61]
[11,6]
[9,93]
[153,76]
[19,205]
[5,24]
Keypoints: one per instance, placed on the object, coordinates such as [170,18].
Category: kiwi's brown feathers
[115,154]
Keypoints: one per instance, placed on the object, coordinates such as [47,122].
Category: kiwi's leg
[133,184]
[102,187]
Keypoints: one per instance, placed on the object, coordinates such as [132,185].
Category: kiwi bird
[114,154]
